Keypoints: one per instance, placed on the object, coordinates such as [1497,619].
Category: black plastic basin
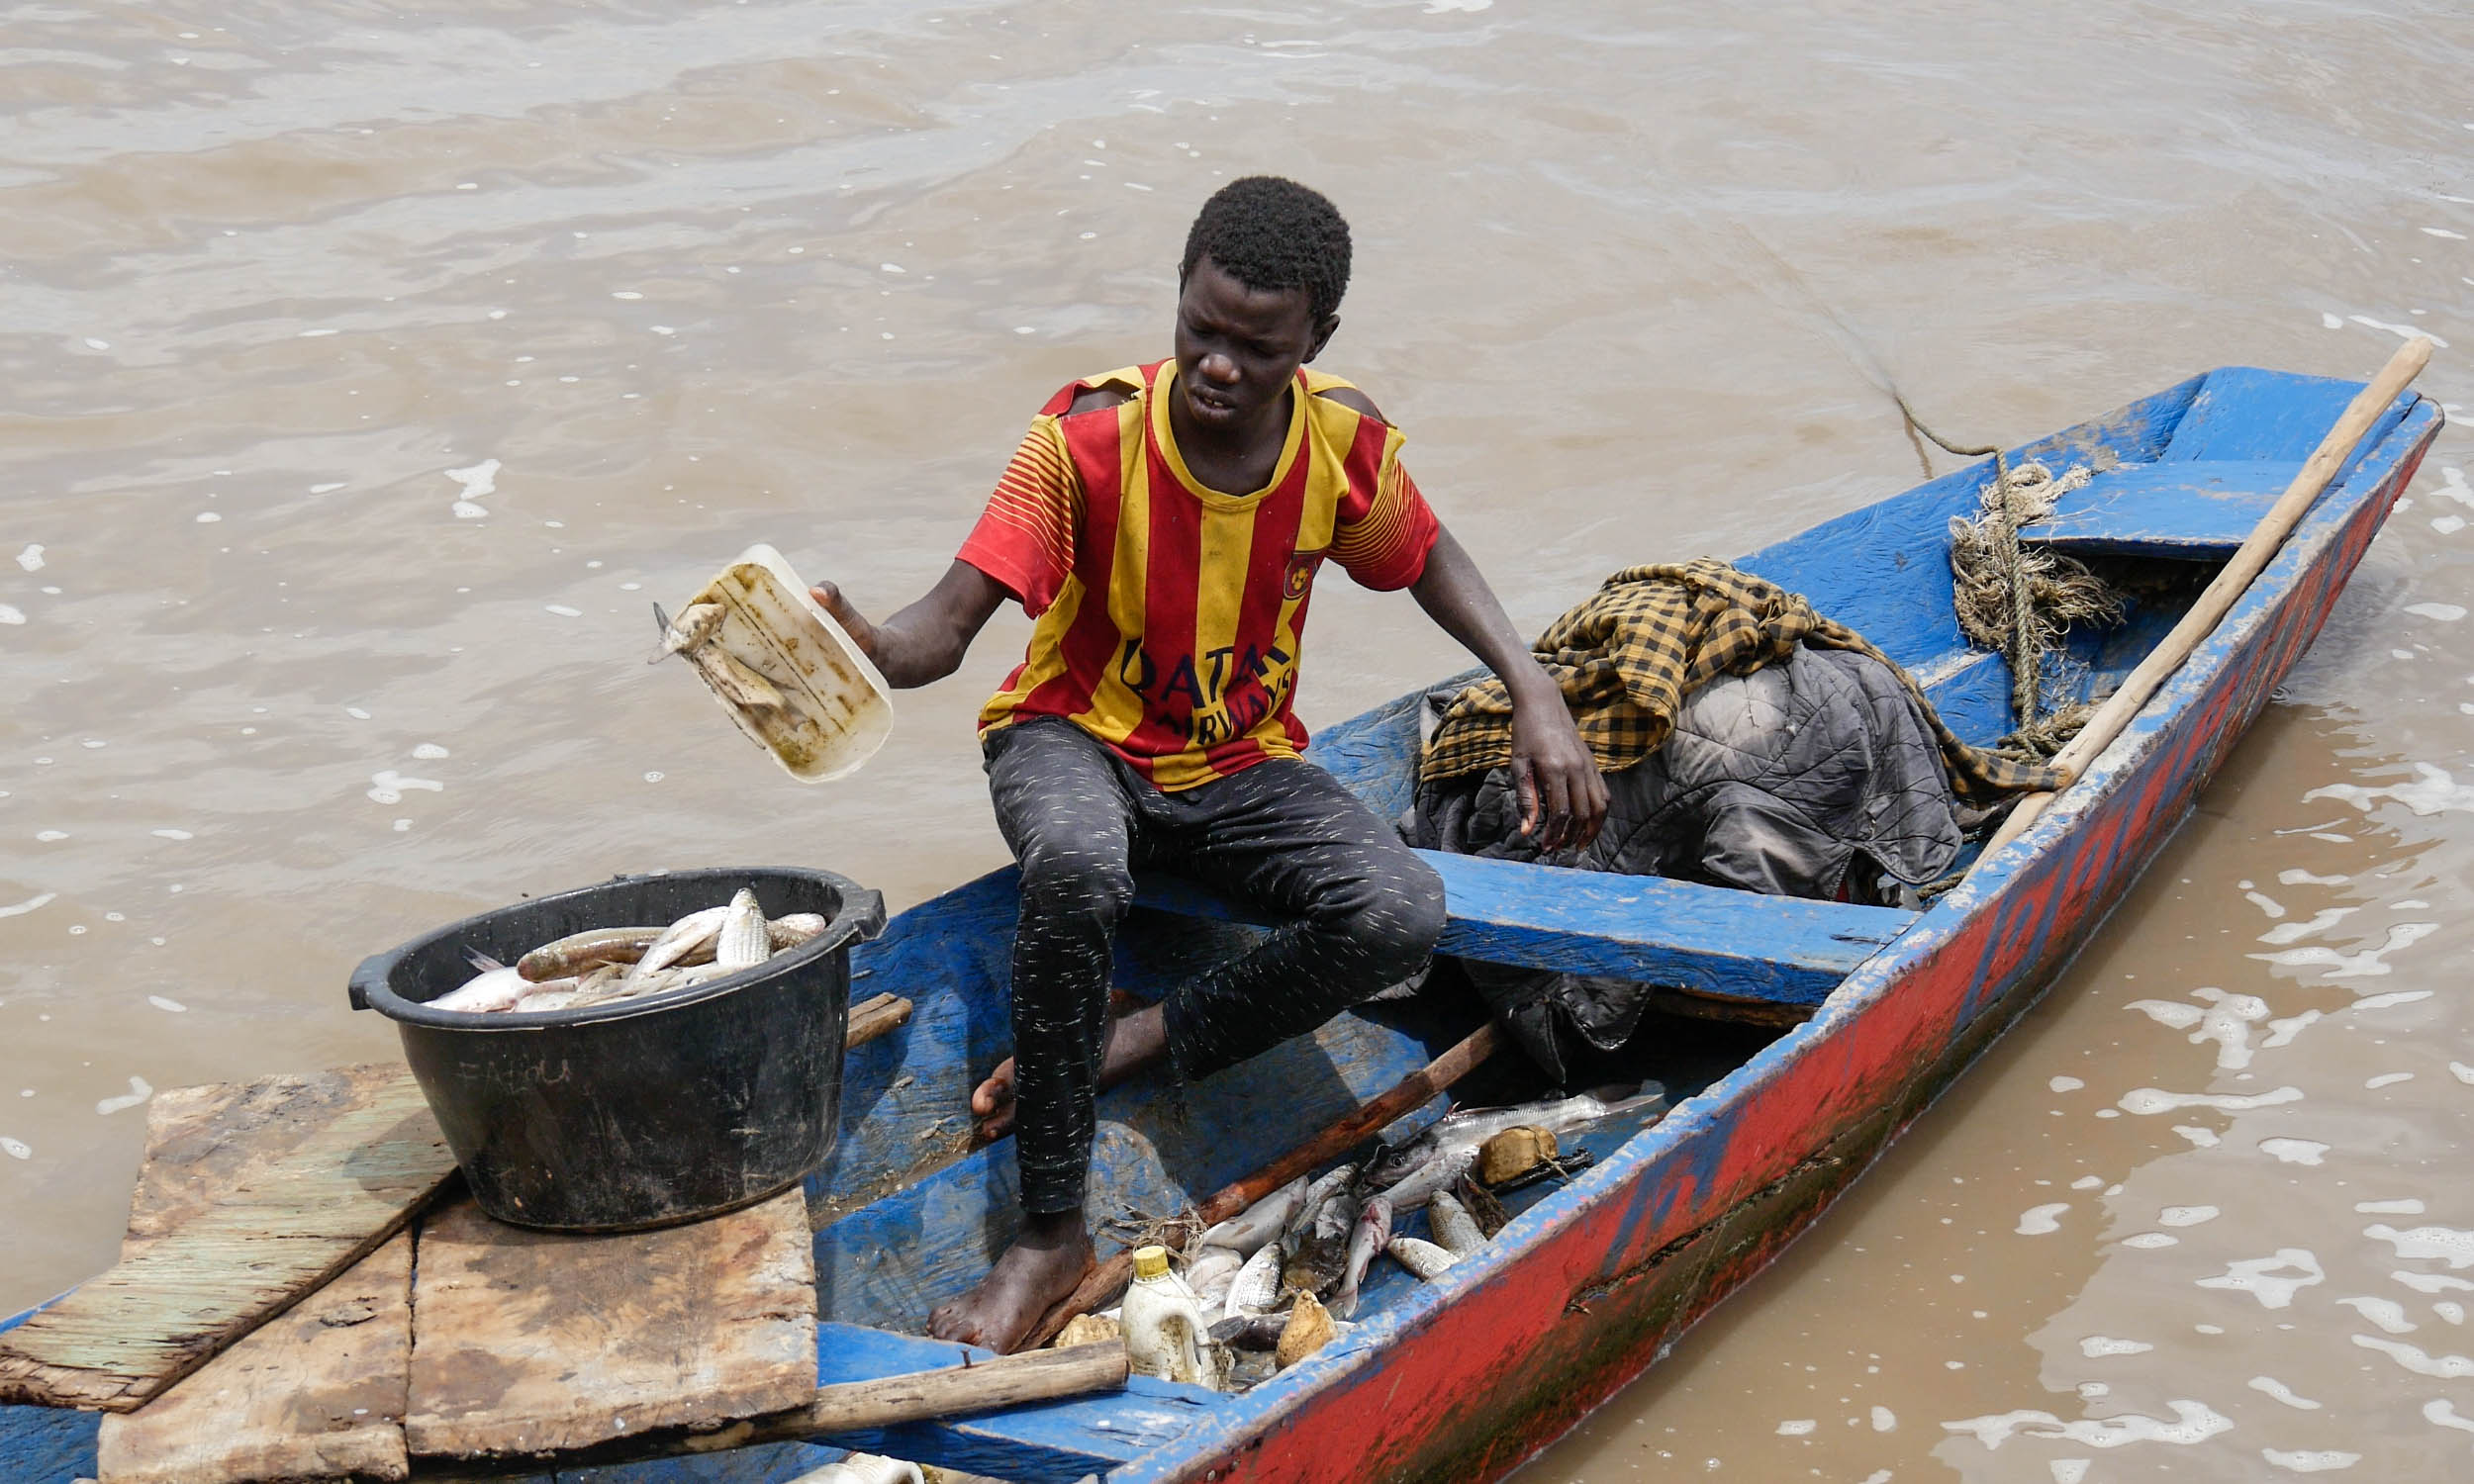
[648,1111]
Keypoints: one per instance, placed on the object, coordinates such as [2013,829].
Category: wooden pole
[2229,582]
[1107,1279]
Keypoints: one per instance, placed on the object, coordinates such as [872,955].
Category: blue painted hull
[1464,1377]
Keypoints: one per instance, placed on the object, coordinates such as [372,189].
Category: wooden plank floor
[358,1154]
[315,1392]
[532,1342]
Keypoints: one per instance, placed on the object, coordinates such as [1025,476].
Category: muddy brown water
[663,281]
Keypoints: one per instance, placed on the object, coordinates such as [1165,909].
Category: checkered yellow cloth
[1630,653]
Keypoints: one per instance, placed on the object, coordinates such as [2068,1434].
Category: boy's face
[1238,348]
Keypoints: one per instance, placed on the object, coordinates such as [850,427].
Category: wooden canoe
[1468,1376]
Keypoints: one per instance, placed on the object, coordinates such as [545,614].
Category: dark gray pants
[1362,915]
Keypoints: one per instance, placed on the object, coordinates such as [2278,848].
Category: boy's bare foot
[1135,1041]
[1032,1277]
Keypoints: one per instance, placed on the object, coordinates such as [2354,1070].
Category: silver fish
[1411,1175]
[491,989]
[1454,1226]
[1258,1223]
[1318,1256]
[578,952]
[695,626]
[694,931]
[1420,1256]
[792,929]
[1212,1274]
[1311,1203]
[1257,1288]
[742,943]
[1372,1231]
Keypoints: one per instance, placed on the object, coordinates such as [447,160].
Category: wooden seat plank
[355,1156]
[1666,932]
[2187,508]
[535,1342]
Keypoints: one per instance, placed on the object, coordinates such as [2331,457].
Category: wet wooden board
[532,1342]
[311,1177]
[318,1391]
[2181,508]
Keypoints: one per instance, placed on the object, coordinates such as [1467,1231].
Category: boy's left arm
[1562,801]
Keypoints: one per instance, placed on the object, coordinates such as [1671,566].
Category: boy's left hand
[1563,800]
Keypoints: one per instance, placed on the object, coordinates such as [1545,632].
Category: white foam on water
[430,752]
[2068,1470]
[2432,1282]
[2040,1221]
[478,480]
[15,1148]
[2299,877]
[2199,1137]
[2293,1151]
[2449,1244]
[2187,1216]
[2087,1182]
[387,785]
[2096,1346]
[2368,964]
[2066,1084]
[2150,1240]
[2388,1079]
[2283,1032]
[31,558]
[2442,232]
[1796,1427]
[2271,1386]
[2448,526]
[2402,331]
[2273,1280]
[625,294]
[2394,998]
[2293,932]
[171,834]
[329,489]
[2321,1461]
[2417,1359]
[137,1093]
[1448,7]
[2331,321]
[2173,1015]
[2405,1207]
[208,517]
[2445,613]
[48,837]
[9,614]
[2450,1310]
[2157,1100]
[562,610]
[2193,1423]
[160,1002]
[2388,1314]
[2432,790]
[2452,485]
[2439,1414]
[2462,1073]
[33,903]
[1884,1420]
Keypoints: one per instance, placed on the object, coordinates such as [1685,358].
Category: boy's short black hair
[1272,234]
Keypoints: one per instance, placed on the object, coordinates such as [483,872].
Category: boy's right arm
[925,642]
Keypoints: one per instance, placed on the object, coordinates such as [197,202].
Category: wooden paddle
[2229,582]
[1107,1280]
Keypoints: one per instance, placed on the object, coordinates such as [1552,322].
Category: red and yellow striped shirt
[1169,614]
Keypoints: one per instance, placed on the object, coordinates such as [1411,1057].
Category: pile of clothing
[1746,741]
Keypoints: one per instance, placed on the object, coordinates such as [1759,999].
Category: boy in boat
[1164,525]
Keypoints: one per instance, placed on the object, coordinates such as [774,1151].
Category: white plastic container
[1164,1332]
[837,709]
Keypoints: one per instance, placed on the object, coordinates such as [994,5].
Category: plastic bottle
[1165,1333]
